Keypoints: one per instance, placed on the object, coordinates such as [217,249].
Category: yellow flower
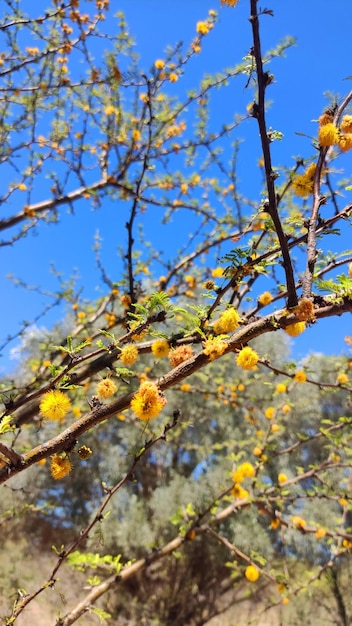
[328,134]
[76,411]
[60,466]
[228,321]
[299,521]
[281,388]
[275,523]
[286,408]
[185,387]
[257,451]
[229,3]
[275,428]
[320,533]
[180,355]
[238,492]
[295,329]
[159,64]
[346,124]
[326,118]
[265,298]
[84,452]
[270,413]
[173,77]
[214,348]
[286,601]
[136,135]
[245,470]
[345,141]
[247,358]
[252,573]
[54,405]
[342,379]
[160,348]
[106,388]
[202,28]
[282,478]
[218,272]
[129,354]
[147,402]
[300,377]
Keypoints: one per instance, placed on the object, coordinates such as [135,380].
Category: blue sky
[318,63]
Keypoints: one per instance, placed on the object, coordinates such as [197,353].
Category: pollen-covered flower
[281,388]
[214,348]
[300,377]
[60,466]
[160,348]
[282,478]
[252,573]
[247,358]
[228,321]
[55,405]
[265,298]
[128,354]
[147,402]
[159,64]
[295,329]
[328,135]
[180,355]
[106,388]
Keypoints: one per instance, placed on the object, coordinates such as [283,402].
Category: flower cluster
[295,329]
[330,135]
[55,405]
[128,354]
[247,358]
[302,184]
[160,348]
[180,355]
[245,470]
[60,466]
[214,348]
[147,402]
[106,388]
[228,321]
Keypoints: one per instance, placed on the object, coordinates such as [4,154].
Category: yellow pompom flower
[60,466]
[299,522]
[245,470]
[265,298]
[247,358]
[129,354]
[346,124]
[218,272]
[214,348]
[159,64]
[300,377]
[55,405]
[304,310]
[106,388]
[160,348]
[342,379]
[295,329]
[257,451]
[238,492]
[229,3]
[270,413]
[180,355]
[252,573]
[228,321]
[345,141]
[328,135]
[202,28]
[186,387]
[320,533]
[147,402]
[281,388]
[282,478]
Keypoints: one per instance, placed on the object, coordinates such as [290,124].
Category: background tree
[228,465]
